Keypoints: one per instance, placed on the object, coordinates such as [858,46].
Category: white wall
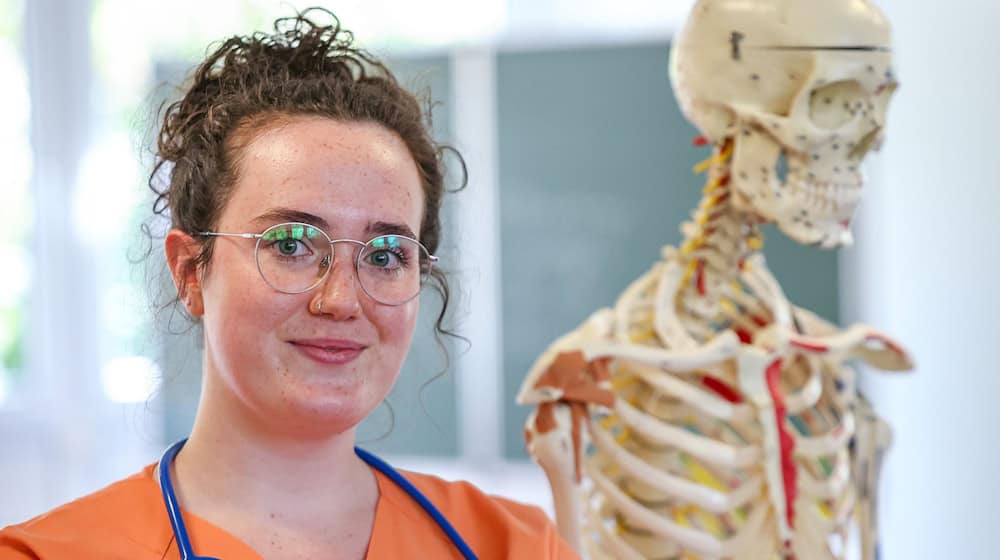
[925,270]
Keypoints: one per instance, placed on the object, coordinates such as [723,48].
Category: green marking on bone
[799,424]
[826,465]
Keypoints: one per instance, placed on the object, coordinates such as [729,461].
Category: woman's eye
[289,247]
[383,259]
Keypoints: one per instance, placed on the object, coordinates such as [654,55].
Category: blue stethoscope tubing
[184,543]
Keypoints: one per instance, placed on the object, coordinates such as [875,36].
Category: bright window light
[130,379]
[16,214]
[3,385]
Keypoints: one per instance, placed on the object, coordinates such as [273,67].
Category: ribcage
[679,468]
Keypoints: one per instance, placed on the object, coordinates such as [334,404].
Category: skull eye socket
[836,104]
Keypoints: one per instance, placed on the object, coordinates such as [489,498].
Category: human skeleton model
[705,416]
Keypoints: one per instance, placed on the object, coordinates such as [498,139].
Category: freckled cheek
[246,317]
[395,326]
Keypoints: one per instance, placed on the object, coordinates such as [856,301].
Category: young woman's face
[319,361]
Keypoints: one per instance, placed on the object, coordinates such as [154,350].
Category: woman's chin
[318,413]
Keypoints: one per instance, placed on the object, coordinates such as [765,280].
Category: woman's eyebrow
[389,228]
[280,214]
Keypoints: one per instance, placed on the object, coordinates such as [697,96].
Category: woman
[304,195]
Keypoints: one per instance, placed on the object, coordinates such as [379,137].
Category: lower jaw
[826,234]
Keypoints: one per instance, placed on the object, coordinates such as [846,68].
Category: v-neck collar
[208,539]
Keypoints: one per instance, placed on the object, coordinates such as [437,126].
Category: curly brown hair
[252,82]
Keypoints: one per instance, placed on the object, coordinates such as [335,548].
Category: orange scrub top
[128,520]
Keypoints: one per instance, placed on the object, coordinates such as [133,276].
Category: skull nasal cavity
[834,105]
[781,168]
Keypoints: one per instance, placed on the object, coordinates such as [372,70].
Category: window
[16,214]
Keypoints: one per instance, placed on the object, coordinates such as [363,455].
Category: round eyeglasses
[295,257]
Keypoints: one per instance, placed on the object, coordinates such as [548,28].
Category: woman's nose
[339,293]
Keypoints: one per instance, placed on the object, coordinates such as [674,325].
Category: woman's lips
[329,352]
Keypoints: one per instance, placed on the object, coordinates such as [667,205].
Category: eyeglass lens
[294,258]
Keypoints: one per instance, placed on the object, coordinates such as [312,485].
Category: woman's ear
[182,255]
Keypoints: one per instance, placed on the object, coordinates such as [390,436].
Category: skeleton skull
[802,88]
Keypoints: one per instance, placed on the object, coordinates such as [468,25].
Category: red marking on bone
[785,440]
[724,181]
[721,198]
[722,389]
[758,320]
[810,347]
[745,336]
[579,381]
[700,141]
[700,276]
[888,343]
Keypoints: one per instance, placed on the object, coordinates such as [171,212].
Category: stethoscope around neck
[184,542]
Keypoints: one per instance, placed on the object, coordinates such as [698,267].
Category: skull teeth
[823,197]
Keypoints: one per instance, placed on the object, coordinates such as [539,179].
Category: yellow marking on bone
[618,383]
[609,422]
[710,522]
[689,272]
[712,185]
[703,166]
[824,510]
[680,517]
[691,245]
[637,335]
[701,475]
[644,336]
[728,306]
[705,519]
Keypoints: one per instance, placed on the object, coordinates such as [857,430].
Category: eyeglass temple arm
[243,235]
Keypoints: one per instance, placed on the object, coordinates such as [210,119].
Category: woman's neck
[236,463]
